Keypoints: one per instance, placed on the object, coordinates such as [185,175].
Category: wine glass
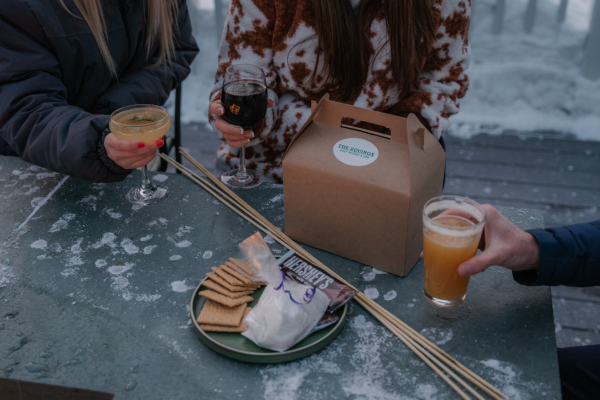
[244,98]
[144,123]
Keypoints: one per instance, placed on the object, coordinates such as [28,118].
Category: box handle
[357,125]
[332,113]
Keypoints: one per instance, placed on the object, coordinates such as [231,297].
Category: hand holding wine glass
[235,138]
[243,106]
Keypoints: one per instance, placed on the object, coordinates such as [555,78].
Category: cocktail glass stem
[146,183]
[242,175]
[147,193]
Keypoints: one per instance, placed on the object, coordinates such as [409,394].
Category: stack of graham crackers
[230,287]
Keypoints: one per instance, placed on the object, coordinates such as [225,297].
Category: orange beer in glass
[452,228]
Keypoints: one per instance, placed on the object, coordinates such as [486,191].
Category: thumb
[477,264]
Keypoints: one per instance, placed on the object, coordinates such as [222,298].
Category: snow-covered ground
[518,81]
[530,82]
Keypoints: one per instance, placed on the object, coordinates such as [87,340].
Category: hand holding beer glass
[452,228]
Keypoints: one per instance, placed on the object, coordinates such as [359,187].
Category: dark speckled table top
[94,294]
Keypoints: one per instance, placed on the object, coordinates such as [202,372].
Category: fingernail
[241,131]
[160,143]
[220,110]
[141,144]
[249,135]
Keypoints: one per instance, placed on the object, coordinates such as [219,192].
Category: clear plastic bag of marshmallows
[287,311]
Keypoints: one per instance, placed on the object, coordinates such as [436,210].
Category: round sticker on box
[355,152]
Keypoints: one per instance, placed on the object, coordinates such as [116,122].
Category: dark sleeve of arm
[153,85]
[35,119]
[570,256]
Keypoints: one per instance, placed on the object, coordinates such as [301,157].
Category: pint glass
[452,229]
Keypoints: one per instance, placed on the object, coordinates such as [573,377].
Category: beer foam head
[462,207]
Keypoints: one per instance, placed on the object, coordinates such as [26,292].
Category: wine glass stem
[242,175]
[146,183]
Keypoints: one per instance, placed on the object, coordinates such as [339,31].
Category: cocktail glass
[142,123]
[452,228]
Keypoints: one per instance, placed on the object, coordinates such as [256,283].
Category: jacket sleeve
[153,85]
[570,256]
[35,119]
[435,96]
[247,39]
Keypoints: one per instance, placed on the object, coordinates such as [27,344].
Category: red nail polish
[141,144]
[160,143]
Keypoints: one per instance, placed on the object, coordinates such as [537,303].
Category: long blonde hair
[159,27]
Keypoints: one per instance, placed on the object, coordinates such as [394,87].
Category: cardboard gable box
[361,195]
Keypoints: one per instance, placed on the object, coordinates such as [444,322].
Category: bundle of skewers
[450,370]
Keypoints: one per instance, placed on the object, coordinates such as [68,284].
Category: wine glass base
[143,197]
[233,180]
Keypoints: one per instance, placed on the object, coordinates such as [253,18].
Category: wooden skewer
[391,320]
[470,375]
[404,337]
[209,189]
[420,353]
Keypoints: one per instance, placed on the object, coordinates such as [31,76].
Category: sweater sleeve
[36,121]
[153,85]
[247,39]
[435,96]
[570,255]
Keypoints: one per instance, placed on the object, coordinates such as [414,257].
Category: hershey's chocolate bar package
[303,271]
[326,320]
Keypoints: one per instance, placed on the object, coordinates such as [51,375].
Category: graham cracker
[225,284]
[243,265]
[220,289]
[221,328]
[228,277]
[235,273]
[238,270]
[224,300]
[214,313]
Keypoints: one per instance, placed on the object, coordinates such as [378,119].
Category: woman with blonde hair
[66,65]
[392,56]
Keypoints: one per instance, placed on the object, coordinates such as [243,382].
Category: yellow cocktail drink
[451,234]
[143,124]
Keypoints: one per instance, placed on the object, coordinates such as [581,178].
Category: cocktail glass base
[236,180]
[146,196]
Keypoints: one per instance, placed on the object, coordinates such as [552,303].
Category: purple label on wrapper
[303,271]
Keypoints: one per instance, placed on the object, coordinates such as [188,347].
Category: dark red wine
[245,103]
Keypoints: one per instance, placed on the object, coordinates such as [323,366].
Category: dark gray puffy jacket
[56,93]
[569,255]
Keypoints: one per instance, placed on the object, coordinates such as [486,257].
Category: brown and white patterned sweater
[270,33]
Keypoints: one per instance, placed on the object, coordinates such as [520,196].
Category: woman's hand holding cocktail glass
[143,125]
[131,154]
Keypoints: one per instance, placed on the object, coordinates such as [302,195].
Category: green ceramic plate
[236,346]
